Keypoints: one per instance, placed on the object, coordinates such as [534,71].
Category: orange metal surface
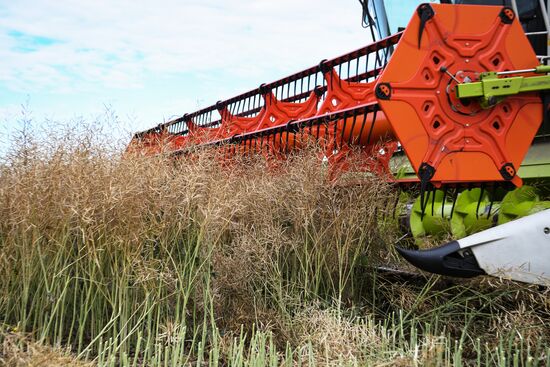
[447,140]
[341,95]
[458,139]
[336,138]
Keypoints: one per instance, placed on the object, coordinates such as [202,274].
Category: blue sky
[152,60]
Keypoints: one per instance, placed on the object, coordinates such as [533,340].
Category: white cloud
[118,44]
[153,60]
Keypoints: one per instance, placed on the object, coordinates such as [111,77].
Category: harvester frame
[451,91]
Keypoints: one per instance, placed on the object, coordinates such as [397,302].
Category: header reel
[444,92]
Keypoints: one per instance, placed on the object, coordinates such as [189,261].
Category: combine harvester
[452,107]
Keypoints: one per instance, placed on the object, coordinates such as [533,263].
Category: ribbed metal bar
[237,101]
[312,124]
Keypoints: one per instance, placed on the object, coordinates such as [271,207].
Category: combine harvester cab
[458,92]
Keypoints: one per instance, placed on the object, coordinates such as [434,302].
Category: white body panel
[518,250]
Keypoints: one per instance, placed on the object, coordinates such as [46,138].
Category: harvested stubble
[150,261]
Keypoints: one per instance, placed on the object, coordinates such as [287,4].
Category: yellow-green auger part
[519,203]
[473,212]
[433,222]
[470,214]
